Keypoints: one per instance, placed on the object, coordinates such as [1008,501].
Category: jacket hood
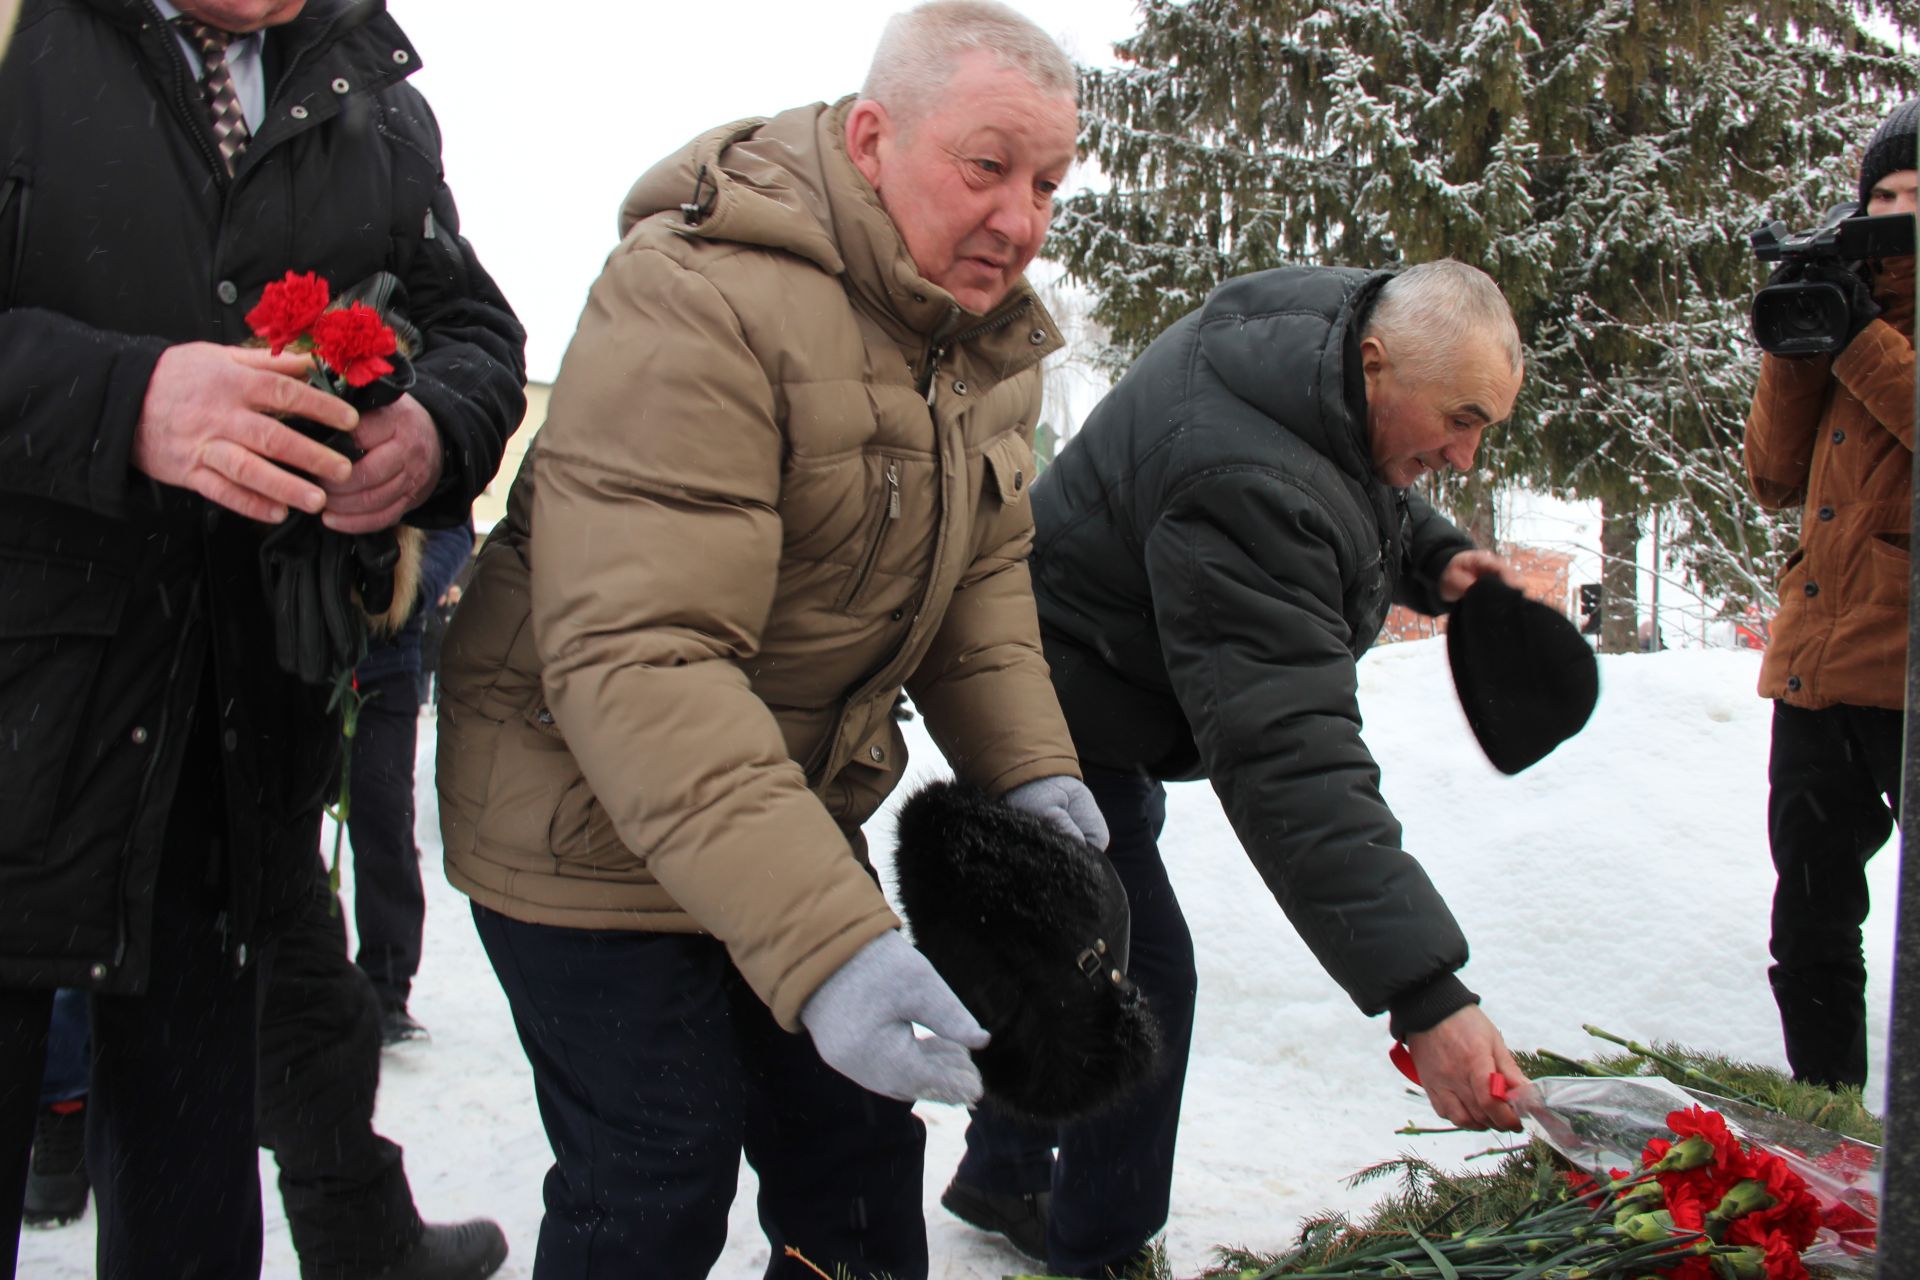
[786,182]
[1277,339]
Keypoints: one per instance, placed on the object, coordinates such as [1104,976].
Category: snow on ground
[1624,881]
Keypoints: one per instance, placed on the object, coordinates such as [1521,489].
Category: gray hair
[919,49]
[1426,313]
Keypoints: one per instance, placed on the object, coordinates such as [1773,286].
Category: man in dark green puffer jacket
[1215,550]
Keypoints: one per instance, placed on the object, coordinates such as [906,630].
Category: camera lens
[1802,316]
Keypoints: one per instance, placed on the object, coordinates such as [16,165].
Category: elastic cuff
[1426,1007]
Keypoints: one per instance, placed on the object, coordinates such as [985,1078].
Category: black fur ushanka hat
[1029,928]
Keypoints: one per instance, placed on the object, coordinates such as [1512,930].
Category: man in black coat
[160,775]
[1214,551]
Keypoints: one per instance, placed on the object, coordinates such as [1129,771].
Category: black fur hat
[1029,928]
[1524,673]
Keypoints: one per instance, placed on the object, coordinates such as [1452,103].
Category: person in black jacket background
[1215,549]
[389,900]
[162,777]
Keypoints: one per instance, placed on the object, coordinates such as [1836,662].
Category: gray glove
[862,1017]
[1066,803]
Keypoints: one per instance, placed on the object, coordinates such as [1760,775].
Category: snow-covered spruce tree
[1603,159]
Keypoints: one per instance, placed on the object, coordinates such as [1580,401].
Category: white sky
[549,116]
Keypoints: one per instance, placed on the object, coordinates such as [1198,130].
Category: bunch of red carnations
[349,345]
[1704,1205]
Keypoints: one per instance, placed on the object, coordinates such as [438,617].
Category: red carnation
[1794,1213]
[287,309]
[355,343]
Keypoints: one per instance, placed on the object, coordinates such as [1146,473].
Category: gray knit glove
[1066,803]
[862,1017]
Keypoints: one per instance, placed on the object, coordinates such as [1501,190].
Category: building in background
[1547,576]
[492,502]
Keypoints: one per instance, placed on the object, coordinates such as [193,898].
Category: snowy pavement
[1624,881]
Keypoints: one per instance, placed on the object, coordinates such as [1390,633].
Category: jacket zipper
[161,737]
[890,513]
[937,351]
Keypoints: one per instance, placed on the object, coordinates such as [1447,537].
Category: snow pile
[1624,881]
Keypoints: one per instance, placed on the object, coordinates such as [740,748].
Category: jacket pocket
[1010,468]
[1886,571]
[16,198]
[57,617]
[886,514]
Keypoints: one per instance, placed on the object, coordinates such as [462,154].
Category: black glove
[1862,310]
[307,572]
[312,574]
[1789,271]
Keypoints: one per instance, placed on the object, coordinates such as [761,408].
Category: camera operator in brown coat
[1833,434]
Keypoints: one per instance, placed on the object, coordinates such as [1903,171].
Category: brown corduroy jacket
[782,476]
[1834,435]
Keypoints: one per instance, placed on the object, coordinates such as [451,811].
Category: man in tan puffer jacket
[1834,435]
[784,474]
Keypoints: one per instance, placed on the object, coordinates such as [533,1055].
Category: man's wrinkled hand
[398,469]
[1468,567]
[210,422]
[1456,1060]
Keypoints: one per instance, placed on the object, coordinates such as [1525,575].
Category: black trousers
[1112,1178]
[389,900]
[349,1208]
[1834,792]
[170,1120]
[655,1066]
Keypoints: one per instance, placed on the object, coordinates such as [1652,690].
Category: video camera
[1808,316]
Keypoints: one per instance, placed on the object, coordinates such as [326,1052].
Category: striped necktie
[223,100]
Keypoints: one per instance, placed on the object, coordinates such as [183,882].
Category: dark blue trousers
[389,900]
[1112,1178]
[1834,790]
[655,1067]
[68,1037]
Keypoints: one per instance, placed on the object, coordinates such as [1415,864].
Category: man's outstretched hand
[1455,1059]
[1468,567]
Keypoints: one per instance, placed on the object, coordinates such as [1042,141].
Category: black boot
[397,1026]
[57,1179]
[1020,1219]
[470,1250]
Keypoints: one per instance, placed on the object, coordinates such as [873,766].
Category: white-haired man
[1215,550]
[784,474]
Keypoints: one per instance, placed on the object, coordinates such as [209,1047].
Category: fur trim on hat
[1028,927]
[406,582]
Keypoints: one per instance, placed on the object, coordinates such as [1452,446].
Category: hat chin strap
[1095,968]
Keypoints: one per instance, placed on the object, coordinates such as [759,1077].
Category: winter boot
[470,1250]
[397,1026]
[57,1179]
[1020,1219]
